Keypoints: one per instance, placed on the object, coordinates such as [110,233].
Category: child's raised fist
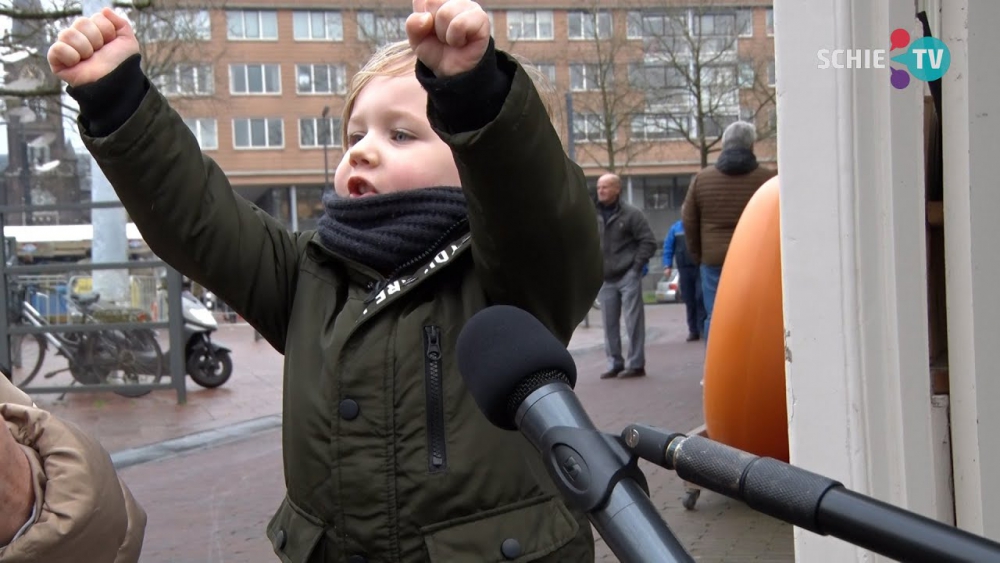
[449,36]
[92,47]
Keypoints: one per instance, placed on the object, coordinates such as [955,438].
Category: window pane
[272,77]
[575,25]
[209,133]
[307,132]
[234,24]
[274,137]
[303,78]
[300,24]
[239,76]
[258,133]
[255,79]
[334,26]
[242,128]
[318,27]
[252,22]
[321,74]
[269,25]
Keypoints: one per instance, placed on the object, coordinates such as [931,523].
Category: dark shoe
[610,374]
[693,337]
[632,373]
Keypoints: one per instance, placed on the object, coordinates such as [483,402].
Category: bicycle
[93,357]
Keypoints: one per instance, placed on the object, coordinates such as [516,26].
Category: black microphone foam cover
[499,348]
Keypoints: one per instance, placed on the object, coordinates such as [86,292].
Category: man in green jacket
[454,194]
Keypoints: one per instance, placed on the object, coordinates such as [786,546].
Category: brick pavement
[211,505]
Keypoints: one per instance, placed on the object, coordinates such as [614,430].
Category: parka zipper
[437,459]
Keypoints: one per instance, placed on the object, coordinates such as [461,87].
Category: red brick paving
[212,505]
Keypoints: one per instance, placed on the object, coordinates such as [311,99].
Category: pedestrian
[675,253]
[451,169]
[714,202]
[627,243]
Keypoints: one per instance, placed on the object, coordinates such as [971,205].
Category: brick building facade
[271,78]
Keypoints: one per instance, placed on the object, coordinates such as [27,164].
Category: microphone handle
[634,530]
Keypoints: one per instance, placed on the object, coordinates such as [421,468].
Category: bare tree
[605,102]
[695,78]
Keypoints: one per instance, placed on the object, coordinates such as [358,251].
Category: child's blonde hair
[398,59]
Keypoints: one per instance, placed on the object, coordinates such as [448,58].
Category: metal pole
[175,356]
[571,145]
[293,204]
[326,144]
[571,153]
[110,243]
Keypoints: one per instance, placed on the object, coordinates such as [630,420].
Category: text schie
[875,58]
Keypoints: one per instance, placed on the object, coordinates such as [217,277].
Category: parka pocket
[521,532]
[294,534]
[437,455]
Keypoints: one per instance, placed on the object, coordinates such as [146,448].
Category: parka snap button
[357,559]
[280,537]
[349,410]
[510,548]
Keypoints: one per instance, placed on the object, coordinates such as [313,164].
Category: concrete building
[269,81]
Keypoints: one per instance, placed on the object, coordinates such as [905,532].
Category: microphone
[522,377]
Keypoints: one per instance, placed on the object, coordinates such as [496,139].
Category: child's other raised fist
[449,36]
[92,47]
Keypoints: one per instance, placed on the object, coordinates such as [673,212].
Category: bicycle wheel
[142,362]
[27,353]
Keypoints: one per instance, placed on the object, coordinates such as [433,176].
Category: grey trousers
[615,296]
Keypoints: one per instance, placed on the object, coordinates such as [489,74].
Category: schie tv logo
[927,58]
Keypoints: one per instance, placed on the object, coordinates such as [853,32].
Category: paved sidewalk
[211,504]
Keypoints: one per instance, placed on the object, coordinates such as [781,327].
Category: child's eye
[354,138]
[400,136]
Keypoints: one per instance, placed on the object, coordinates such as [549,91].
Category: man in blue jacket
[675,250]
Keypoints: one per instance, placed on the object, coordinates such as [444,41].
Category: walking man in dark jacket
[675,253]
[628,244]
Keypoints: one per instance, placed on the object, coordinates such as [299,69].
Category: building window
[258,133]
[186,80]
[588,127]
[747,75]
[314,131]
[381,28]
[252,24]
[586,76]
[173,25]
[715,124]
[318,26]
[582,25]
[549,70]
[529,25]
[255,79]
[654,127]
[320,79]
[770,74]
[205,130]
[770,22]
[744,22]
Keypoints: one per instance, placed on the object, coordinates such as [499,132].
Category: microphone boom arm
[808,500]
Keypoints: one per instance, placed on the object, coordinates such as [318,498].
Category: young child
[454,193]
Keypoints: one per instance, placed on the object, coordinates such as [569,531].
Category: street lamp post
[326,144]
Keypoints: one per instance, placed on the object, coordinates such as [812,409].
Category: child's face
[391,145]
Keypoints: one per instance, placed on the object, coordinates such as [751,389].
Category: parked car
[668,290]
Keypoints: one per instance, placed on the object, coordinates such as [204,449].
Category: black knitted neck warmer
[386,231]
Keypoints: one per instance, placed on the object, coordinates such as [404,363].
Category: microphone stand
[808,500]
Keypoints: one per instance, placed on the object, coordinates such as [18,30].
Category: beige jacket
[84,512]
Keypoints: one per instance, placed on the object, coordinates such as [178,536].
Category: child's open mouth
[359,187]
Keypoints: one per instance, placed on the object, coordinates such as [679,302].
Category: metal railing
[47,311]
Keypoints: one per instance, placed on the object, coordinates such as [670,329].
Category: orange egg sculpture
[744,395]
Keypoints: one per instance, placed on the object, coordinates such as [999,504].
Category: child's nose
[363,153]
